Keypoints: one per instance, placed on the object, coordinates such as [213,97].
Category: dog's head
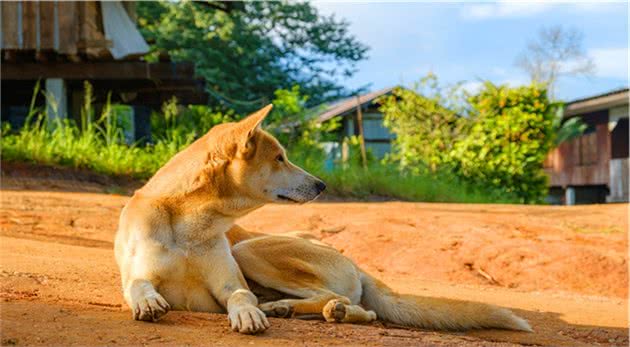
[259,167]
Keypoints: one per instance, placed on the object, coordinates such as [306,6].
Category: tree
[497,138]
[425,126]
[554,53]
[247,50]
[508,140]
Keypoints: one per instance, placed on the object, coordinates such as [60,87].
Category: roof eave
[596,104]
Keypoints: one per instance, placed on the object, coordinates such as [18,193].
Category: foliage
[248,50]
[97,144]
[100,146]
[293,124]
[508,140]
[179,125]
[568,129]
[498,139]
[425,129]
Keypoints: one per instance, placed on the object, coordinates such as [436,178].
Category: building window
[619,140]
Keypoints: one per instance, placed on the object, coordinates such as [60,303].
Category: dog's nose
[321,186]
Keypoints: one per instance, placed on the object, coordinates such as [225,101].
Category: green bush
[511,133]
[496,139]
[425,129]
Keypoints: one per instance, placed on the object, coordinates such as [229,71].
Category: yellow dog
[178,248]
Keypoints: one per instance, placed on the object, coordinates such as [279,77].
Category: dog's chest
[197,227]
[185,282]
[191,246]
[186,287]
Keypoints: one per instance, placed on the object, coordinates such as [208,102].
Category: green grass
[64,144]
[96,144]
[380,180]
[99,145]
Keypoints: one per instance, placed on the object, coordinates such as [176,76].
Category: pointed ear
[251,124]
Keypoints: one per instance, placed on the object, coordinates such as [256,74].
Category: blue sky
[474,41]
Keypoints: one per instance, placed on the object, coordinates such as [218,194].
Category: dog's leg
[228,286]
[142,258]
[296,307]
[333,307]
[341,311]
[145,302]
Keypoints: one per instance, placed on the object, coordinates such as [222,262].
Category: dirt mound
[562,268]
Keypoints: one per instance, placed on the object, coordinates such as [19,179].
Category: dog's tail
[434,313]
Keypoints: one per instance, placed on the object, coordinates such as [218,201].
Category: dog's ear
[249,126]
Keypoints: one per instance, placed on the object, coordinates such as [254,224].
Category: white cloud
[520,9]
[610,62]
[504,10]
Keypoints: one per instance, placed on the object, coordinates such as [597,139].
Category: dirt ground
[562,268]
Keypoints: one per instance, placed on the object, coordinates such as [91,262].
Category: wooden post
[361,137]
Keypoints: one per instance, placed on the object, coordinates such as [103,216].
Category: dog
[177,246]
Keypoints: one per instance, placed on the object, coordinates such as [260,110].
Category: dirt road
[562,268]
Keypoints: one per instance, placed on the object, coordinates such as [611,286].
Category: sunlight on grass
[98,144]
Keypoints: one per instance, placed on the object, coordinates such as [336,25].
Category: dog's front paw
[248,319]
[279,309]
[150,308]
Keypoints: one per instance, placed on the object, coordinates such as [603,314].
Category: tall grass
[386,181]
[98,144]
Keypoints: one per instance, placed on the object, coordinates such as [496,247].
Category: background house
[377,136]
[64,43]
[593,168]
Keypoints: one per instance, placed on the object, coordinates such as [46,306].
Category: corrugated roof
[345,105]
[594,103]
[612,92]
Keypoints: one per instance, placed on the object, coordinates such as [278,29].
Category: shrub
[425,129]
[497,138]
[512,131]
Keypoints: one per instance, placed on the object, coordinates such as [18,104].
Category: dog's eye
[280,158]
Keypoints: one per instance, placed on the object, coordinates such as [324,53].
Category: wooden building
[377,137]
[593,168]
[64,43]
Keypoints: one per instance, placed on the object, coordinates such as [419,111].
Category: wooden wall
[62,26]
[582,161]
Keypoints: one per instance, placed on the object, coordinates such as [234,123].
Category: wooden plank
[47,25]
[10,25]
[68,27]
[92,38]
[123,70]
[89,22]
[81,19]
[29,24]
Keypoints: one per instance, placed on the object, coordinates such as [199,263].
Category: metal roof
[613,98]
[612,92]
[340,107]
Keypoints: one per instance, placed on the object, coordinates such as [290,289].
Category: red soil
[562,268]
